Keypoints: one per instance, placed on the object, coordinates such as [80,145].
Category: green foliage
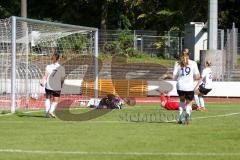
[165,13]
[5,111]
[140,57]
[123,46]
[105,58]
[111,47]
[9,8]
[124,22]
[175,29]
[125,37]
[135,14]
[79,45]
[138,54]
[228,13]
[126,42]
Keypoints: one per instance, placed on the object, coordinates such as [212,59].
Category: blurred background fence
[170,44]
[167,45]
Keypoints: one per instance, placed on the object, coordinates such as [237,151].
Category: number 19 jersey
[185,75]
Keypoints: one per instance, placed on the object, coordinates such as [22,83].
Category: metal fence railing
[230,52]
[149,42]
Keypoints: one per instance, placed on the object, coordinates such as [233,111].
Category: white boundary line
[220,115]
[215,116]
[118,153]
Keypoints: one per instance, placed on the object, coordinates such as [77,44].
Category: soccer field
[140,132]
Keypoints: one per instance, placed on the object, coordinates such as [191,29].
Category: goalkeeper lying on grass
[110,101]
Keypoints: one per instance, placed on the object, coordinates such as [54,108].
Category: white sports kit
[207,78]
[185,75]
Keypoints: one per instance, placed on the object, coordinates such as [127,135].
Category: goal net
[24,47]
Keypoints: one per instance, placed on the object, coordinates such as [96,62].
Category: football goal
[24,47]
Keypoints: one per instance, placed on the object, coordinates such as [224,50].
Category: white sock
[53,107]
[201,100]
[47,105]
[180,113]
[196,98]
[189,110]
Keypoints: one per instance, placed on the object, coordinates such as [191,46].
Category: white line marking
[220,115]
[215,116]
[118,153]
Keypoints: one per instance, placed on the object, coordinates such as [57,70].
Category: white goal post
[24,45]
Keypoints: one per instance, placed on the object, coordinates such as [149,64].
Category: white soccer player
[204,86]
[185,72]
[52,80]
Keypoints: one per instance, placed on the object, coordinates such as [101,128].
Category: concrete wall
[220,89]
[216,59]
[195,39]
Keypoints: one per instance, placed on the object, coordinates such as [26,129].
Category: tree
[165,15]
[9,8]
[228,13]
[160,15]
[104,13]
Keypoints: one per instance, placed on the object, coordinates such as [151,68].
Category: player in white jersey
[204,86]
[185,72]
[52,81]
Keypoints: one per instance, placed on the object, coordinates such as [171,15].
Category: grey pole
[134,40]
[222,39]
[24,8]
[212,24]
[141,43]
[13,72]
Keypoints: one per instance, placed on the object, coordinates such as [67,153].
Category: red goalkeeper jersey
[170,105]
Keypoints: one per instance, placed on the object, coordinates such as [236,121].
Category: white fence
[220,89]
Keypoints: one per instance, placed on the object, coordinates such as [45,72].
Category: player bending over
[204,86]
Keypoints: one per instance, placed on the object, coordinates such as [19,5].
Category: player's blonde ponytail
[184,57]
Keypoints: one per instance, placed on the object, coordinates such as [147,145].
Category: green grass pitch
[135,133]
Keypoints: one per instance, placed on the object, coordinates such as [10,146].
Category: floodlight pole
[25,32]
[212,24]
[24,8]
